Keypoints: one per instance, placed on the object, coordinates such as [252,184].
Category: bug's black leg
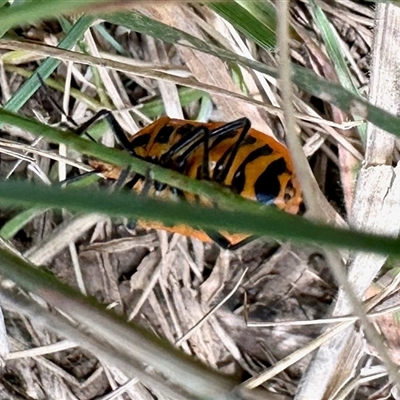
[56,106]
[114,125]
[85,126]
[223,242]
[205,171]
[121,183]
[195,139]
[198,134]
[119,133]
[73,179]
[244,242]
[134,180]
[221,174]
[218,134]
[148,182]
[132,222]
[122,178]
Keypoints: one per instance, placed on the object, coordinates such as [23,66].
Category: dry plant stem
[77,268]
[30,149]
[124,118]
[317,205]
[4,346]
[194,328]
[120,390]
[149,288]
[369,305]
[294,357]
[353,384]
[376,202]
[38,351]
[168,90]
[307,182]
[303,170]
[61,237]
[86,59]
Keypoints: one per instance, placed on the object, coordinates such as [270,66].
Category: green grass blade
[76,94]
[15,224]
[155,108]
[263,222]
[333,47]
[254,19]
[32,11]
[24,93]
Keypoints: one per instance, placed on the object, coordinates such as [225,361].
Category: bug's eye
[289,191]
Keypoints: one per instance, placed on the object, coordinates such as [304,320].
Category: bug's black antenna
[80,129]
[46,89]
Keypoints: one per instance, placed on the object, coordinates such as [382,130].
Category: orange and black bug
[232,154]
